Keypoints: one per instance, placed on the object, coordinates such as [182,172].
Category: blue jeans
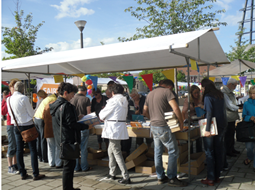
[250,146]
[84,151]
[163,137]
[214,149]
[11,141]
[33,152]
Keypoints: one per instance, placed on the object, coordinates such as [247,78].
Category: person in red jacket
[11,153]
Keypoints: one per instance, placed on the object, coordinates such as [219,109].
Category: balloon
[87,76]
[35,100]
[89,91]
[84,78]
[34,95]
[89,82]
[89,87]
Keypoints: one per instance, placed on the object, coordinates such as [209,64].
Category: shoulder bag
[68,151]
[245,131]
[27,135]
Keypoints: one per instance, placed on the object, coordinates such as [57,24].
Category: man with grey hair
[232,116]
[22,110]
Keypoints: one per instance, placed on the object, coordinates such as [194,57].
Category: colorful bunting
[148,79]
[94,81]
[130,81]
[253,82]
[113,78]
[197,67]
[235,77]
[193,64]
[212,78]
[58,78]
[224,80]
[169,74]
[79,75]
[243,80]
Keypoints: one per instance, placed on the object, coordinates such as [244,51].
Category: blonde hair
[41,93]
[13,82]
[134,91]
[193,88]
[250,90]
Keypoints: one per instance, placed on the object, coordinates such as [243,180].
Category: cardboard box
[184,135]
[103,163]
[139,132]
[141,149]
[4,148]
[98,131]
[193,170]
[183,147]
[150,153]
[146,167]
[135,162]
[181,157]
[4,122]
[4,154]
[196,159]
[92,130]
[94,154]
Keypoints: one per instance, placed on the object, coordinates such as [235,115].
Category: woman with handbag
[249,116]
[65,126]
[22,113]
[214,106]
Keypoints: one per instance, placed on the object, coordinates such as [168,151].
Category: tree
[165,17]
[157,75]
[181,76]
[19,41]
[242,50]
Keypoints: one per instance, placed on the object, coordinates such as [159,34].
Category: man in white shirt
[23,112]
[232,116]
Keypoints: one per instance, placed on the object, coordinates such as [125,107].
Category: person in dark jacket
[70,128]
[215,107]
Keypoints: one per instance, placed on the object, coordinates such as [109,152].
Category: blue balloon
[88,77]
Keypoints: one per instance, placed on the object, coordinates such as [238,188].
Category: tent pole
[31,99]
[187,60]
[240,73]
[175,81]
[208,67]
[65,78]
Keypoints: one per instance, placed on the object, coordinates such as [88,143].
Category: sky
[106,21]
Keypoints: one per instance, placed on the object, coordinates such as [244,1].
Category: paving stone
[118,187]
[4,181]
[242,180]
[229,185]
[247,186]
[78,179]
[103,185]
[44,187]
[55,183]
[85,188]
[205,187]
[236,174]
[23,187]
[7,187]
[89,182]
[38,183]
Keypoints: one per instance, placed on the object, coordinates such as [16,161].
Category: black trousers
[230,137]
[126,145]
[68,172]
[41,141]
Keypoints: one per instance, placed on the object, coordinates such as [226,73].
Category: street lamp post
[81,24]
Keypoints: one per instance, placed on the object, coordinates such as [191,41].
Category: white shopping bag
[202,125]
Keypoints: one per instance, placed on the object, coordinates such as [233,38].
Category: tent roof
[151,53]
[233,68]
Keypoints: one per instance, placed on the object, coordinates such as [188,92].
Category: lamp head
[80,24]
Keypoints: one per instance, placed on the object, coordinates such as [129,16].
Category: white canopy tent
[152,53]
[235,67]
[160,52]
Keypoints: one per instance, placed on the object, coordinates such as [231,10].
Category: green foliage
[165,17]
[157,75]
[181,76]
[19,40]
[5,88]
[241,51]
[33,81]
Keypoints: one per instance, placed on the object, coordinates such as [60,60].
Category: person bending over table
[136,107]
[98,103]
[195,101]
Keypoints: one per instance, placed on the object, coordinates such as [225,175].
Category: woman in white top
[114,115]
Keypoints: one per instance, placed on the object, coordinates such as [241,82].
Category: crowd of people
[70,104]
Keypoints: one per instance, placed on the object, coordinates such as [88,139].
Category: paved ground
[237,177]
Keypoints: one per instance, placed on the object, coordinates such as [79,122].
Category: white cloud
[224,3]
[109,40]
[72,8]
[232,20]
[63,46]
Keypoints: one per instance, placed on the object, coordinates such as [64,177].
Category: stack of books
[172,121]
